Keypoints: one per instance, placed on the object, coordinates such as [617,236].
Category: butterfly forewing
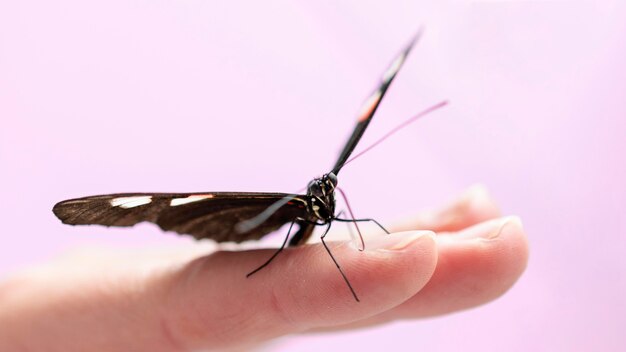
[202,215]
[371,104]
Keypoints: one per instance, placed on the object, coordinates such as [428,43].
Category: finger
[106,308]
[475,205]
[209,303]
[478,265]
[475,266]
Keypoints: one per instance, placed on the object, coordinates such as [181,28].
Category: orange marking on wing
[369,105]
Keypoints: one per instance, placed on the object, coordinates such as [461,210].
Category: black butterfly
[235,216]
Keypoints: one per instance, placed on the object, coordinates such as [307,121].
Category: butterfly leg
[345,278]
[363,220]
[358,230]
[275,253]
[350,231]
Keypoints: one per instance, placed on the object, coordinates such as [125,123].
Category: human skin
[178,300]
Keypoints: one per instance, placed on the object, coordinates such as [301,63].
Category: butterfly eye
[315,189]
[333,179]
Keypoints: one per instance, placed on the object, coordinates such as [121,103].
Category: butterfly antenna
[398,128]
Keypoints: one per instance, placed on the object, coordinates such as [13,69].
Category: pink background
[114,96]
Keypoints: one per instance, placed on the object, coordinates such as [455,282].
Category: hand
[177,300]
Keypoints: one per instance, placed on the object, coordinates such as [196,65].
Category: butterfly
[240,216]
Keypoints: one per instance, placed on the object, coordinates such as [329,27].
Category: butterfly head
[321,192]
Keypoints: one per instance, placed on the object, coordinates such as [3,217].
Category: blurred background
[121,96]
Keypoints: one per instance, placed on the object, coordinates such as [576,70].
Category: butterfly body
[321,197]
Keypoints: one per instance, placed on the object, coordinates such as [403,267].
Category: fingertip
[502,241]
[514,249]
[505,245]
[473,206]
[478,264]
[480,201]
[501,258]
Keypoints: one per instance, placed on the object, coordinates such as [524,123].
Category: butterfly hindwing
[211,215]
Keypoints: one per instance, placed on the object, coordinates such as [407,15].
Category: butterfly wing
[371,104]
[211,215]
